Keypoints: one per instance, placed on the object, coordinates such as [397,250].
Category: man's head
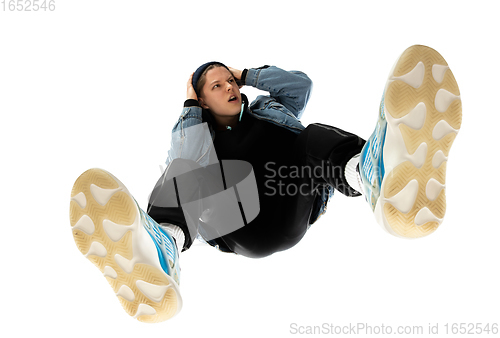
[217,90]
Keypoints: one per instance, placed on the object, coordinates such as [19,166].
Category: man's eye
[215,86]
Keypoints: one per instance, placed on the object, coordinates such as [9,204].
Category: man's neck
[224,122]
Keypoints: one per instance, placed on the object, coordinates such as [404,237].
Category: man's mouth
[233,98]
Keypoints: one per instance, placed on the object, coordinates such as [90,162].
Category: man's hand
[237,74]
[191,94]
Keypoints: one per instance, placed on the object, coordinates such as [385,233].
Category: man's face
[220,93]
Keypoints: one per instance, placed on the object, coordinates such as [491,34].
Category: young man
[224,153]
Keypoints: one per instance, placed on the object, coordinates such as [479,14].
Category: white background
[101,83]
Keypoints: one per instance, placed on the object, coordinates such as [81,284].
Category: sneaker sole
[107,229]
[424,114]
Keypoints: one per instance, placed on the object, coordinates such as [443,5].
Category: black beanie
[201,69]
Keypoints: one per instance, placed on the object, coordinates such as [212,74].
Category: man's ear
[202,103]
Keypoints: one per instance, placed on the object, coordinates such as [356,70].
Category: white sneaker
[403,163]
[137,257]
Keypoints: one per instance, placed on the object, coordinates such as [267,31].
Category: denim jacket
[289,93]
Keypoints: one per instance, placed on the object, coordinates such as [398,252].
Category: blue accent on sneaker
[165,245]
[371,161]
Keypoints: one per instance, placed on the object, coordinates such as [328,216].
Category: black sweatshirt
[268,147]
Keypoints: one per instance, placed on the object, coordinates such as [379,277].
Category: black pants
[329,148]
[321,150]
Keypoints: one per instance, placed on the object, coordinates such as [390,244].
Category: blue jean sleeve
[191,138]
[290,88]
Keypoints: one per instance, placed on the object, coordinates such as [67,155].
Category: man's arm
[290,88]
